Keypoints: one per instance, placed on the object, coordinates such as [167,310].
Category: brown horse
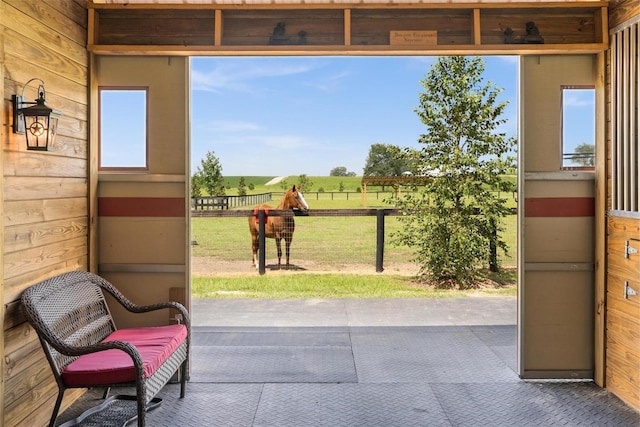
[277,227]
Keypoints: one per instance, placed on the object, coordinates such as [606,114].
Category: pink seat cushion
[155,345]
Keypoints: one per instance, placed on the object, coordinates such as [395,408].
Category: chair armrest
[135,308]
[163,305]
[74,351]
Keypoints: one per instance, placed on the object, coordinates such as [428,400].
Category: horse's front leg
[254,249]
[279,248]
[287,247]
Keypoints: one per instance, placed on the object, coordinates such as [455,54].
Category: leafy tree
[284,184]
[242,187]
[304,182]
[338,171]
[196,186]
[341,187]
[385,160]
[452,218]
[585,154]
[252,186]
[209,174]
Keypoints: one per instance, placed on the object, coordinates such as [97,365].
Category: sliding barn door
[142,191]
[557,227]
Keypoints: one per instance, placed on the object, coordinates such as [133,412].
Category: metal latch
[629,250]
[629,291]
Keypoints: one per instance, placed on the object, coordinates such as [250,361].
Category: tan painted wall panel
[557,233]
[167,103]
[558,321]
[141,189]
[148,287]
[543,77]
[141,240]
[559,240]
[561,188]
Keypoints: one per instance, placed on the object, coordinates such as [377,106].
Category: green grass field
[318,184]
[301,285]
[327,242]
[327,245]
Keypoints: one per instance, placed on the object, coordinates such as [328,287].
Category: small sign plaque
[414,38]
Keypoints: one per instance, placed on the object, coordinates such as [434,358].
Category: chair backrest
[68,309]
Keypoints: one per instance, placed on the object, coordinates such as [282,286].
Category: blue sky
[292,115]
[279,116]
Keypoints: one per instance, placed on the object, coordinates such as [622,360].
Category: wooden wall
[622,316]
[45,193]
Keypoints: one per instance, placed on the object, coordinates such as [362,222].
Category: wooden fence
[380,215]
[226,202]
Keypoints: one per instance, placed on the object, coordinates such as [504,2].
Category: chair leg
[183,379]
[141,399]
[106,393]
[56,408]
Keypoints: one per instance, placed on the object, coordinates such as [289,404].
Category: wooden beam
[477,33]
[217,38]
[600,226]
[347,27]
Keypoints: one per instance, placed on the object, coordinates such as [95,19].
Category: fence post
[493,247]
[379,240]
[262,252]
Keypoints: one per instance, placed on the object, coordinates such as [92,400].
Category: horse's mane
[286,202]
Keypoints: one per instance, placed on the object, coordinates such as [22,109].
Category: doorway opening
[271,122]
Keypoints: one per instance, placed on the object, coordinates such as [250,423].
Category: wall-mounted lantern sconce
[38,122]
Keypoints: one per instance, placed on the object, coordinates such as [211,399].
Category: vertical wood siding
[45,229]
[622,354]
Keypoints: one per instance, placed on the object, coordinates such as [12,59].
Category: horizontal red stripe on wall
[557,207]
[141,206]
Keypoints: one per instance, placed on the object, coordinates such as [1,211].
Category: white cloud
[331,83]
[578,98]
[230,126]
[238,76]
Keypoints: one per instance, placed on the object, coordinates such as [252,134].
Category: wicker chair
[71,317]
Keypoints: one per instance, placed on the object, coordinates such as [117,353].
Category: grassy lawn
[327,245]
[325,241]
[301,285]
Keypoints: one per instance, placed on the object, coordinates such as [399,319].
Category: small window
[123,128]
[578,127]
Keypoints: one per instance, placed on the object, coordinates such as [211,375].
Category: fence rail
[209,203]
[379,213]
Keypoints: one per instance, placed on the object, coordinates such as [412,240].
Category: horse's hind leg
[279,248]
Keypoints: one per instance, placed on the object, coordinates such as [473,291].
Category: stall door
[142,191]
[557,228]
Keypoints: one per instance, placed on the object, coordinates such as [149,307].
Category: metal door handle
[629,291]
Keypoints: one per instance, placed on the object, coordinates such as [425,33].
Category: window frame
[563,90]
[142,168]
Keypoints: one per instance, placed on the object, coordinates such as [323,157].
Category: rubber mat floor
[449,362]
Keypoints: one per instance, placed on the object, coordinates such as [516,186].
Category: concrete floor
[412,362]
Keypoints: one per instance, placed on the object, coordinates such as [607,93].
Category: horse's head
[295,200]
